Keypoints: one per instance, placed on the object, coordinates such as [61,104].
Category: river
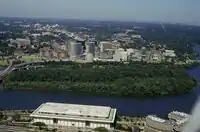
[126,106]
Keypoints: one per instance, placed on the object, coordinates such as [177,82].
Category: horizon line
[101,20]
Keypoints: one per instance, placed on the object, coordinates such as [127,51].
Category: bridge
[26,66]
[6,70]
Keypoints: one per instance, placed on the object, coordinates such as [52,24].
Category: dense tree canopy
[116,79]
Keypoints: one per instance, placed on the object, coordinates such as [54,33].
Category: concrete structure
[105,45]
[89,57]
[75,49]
[177,116]
[120,55]
[179,125]
[59,115]
[156,124]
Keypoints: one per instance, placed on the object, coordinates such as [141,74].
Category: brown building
[45,52]
[49,52]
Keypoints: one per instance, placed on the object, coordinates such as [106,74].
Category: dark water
[126,106]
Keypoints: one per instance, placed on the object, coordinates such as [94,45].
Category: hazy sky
[186,11]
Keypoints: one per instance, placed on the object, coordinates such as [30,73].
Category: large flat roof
[75,112]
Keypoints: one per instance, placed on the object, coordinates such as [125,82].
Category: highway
[6,70]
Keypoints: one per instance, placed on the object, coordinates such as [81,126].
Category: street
[4,128]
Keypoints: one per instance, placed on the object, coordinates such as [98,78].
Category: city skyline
[180,11]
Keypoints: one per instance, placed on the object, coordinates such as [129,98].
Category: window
[55,121]
[87,123]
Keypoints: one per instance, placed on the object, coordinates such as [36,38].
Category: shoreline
[60,91]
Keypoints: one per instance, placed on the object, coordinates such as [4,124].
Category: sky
[181,11]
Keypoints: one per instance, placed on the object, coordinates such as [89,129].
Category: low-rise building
[119,55]
[49,52]
[21,42]
[60,115]
[177,121]
[135,55]
[156,124]
[62,46]
[169,53]
[45,52]
[177,116]
[179,125]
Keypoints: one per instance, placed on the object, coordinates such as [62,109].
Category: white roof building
[155,118]
[169,53]
[66,115]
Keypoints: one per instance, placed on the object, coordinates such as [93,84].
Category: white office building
[105,46]
[120,55]
[59,115]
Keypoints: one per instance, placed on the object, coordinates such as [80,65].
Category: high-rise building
[90,47]
[105,45]
[75,49]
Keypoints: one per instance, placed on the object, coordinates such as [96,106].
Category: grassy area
[26,58]
[30,58]
[3,63]
[2,117]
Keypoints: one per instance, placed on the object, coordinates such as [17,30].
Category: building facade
[90,47]
[58,115]
[75,49]
[48,52]
[105,45]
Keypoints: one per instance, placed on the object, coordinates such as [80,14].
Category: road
[4,128]
[7,69]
